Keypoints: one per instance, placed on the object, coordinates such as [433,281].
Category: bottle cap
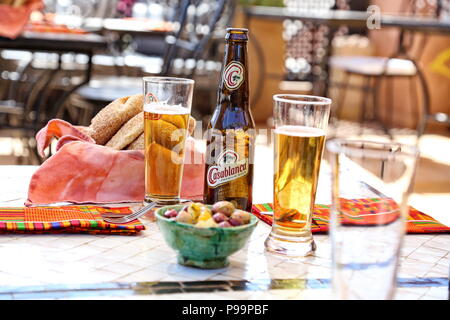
[237,34]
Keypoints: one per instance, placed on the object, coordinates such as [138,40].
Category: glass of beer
[300,126]
[167,106]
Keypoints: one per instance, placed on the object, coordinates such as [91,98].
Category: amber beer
[298,153]
[165,134]
[230,133]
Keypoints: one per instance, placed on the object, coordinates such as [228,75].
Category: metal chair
[197,23]
[197,52]
[375,70]
[202,22]
[20,113]
[106,88]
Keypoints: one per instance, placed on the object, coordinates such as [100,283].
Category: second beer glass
[300,126]
[167,106]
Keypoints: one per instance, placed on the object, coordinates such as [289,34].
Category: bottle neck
[233,86]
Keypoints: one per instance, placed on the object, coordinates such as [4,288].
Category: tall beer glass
[167,106]
[300,125]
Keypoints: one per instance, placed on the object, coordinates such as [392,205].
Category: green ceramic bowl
[206,248]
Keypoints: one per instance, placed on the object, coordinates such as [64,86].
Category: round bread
[109,120]
[191,125]
[129,132]
[138,143]
[167,136]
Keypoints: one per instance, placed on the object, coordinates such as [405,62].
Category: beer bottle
[230,133]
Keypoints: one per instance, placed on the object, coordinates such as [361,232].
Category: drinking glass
[371,182]
[300,127]
[167,106]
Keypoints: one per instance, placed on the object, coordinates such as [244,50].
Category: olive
[219,217]
[195,209]
[224,207]
[210,223]
[206,210]
[184,217]
[241,215]
[235,222]
[204,215]
[225,224]
[170,213]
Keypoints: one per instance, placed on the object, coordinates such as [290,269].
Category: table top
[81,266]
[55,42]
[137,26]
[352,18]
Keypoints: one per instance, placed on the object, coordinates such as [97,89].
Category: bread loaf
[109,120]
[120,125]
[138,144]
[129,132]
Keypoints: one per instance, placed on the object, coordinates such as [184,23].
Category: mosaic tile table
[144,267]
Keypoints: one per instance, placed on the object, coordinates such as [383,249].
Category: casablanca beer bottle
[231,130]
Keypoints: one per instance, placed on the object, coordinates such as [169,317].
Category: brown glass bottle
[231,130]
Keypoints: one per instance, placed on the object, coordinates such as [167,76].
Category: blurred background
[385,64]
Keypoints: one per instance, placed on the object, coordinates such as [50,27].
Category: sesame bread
[109,120]
[129,132]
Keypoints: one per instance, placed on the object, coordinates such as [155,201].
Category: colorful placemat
[364,212]
[67,219]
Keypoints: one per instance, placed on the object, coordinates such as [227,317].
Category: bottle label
[233,76]
[228,167]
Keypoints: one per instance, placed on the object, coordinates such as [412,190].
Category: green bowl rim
[253,220]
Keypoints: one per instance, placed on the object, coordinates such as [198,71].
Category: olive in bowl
[203,240]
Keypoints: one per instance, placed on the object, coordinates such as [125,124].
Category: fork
[129,217]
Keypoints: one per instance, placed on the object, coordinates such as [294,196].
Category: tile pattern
[77,266]
[158,288]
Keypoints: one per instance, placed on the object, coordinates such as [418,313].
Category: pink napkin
[14,19]
[83,172]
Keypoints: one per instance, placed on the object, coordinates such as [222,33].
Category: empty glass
[371,182]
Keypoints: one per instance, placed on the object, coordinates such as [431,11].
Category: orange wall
[267,34]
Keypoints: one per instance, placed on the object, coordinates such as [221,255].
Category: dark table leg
[325,65]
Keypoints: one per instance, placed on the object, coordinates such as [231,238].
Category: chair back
[411,44]
[199,21]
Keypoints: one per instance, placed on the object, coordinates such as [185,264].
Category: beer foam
[162,108]
[300,131]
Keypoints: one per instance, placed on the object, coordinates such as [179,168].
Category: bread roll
[132,129]
[175,119]
[167,135]
[191,125]
[109,120]
[138,144]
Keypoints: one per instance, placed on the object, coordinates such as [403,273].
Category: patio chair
[373,70]
[188,41]
[20,115]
